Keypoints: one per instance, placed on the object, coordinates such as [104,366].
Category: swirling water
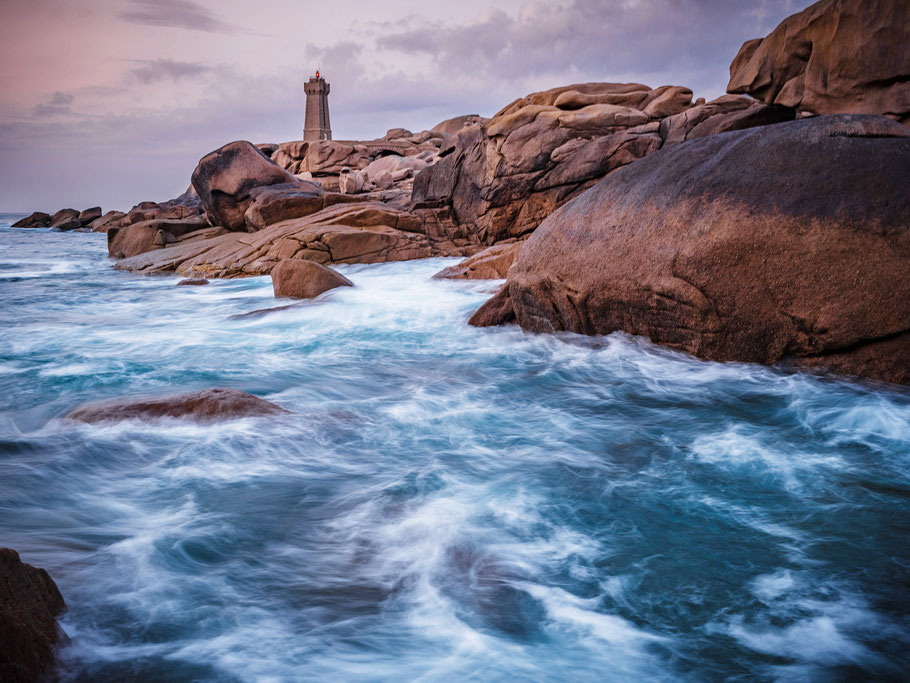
[444,503]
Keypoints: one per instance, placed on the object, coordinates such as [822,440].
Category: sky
[113,102]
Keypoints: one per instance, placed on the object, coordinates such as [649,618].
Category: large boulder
[224,178]
[329,157]
[667,100]
[580,95]
[501,177]
[203,406]
[29,604]
[275,203]
[300,279]
[109,220]
[785,242]
[837,56]
[66,219]
[139,238]
[89,215]
[351,182]
[39,219]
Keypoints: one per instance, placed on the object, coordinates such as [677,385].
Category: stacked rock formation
[502,177]
[327,161]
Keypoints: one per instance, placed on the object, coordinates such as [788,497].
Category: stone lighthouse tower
[317,126]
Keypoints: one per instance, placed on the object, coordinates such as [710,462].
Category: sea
[443,503]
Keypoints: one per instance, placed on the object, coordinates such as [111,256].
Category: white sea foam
[444,502]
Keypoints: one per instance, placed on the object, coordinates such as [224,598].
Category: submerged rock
[299,279]
[29,604]
[837,56]
[193,282]
[783,242]
[203,406]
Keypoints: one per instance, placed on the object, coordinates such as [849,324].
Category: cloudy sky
[112,102]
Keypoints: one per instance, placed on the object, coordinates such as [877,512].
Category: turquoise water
[445,503]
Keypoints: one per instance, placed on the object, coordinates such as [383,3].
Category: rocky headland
[762,226]
[770,225]
[29,605]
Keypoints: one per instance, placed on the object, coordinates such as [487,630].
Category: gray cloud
[174,14]
[411,72]
[595,38]
[155,70]
[59,103]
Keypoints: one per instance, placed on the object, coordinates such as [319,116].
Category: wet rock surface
[203,406]
[29,604]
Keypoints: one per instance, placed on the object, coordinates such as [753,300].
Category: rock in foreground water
[789,241]
[495,311]
[204,406]
[300,279]
[29,605]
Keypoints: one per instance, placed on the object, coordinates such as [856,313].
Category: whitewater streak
[444,503]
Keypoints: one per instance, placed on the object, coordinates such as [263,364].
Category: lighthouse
[317,126]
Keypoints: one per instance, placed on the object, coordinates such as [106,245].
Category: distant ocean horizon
[7,219]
